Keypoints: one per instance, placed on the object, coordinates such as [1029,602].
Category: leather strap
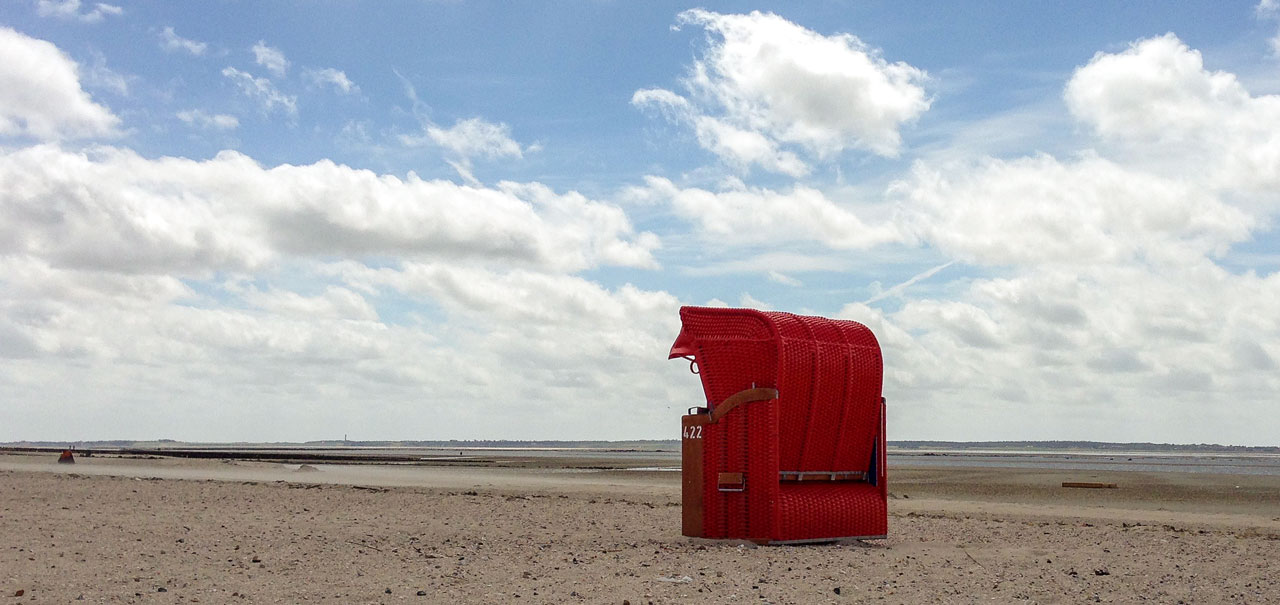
[740,398]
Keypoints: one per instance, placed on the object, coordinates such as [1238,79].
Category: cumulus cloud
[1074,296]
[1157,101]
[1091,210]
[744,148]
[1157,90]
[737,147]
[765,82]
[518,295]
[1119,352]
[556,340]
[262,91]
[1111,303]
[299,284]
[172,42]
[110,209]
[335,302]
[218,121]
[748,215]
[41,96]
[270,58]
[332,77]
[72,10]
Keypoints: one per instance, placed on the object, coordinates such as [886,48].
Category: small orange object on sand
[66,458]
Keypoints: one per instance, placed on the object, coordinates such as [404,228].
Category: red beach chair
[790,447]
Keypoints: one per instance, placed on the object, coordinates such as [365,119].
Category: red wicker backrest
[830,379]
[828,372]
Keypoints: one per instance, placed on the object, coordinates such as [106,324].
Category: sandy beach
[160,530]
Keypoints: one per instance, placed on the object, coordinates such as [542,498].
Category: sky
[417,220]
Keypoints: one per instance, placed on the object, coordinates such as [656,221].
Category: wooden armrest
[740,398]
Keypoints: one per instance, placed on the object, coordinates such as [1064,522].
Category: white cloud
[100,76]
[293,365]
[226,280]
[825,92]
[111,210]
[71,9]
[463,168]
[672,105]
[765,82]
[750,302]
[219,121]
[1120,352]
[1270,10]
[737,147]
[1087,297]
[781,278]
[40,93]
[1157,90]
[270,58]
[1088,211]
[262,91]
[557,340]
[774,260]
[335,303]
[474,137]
[745,147]
[1111,315]
[899,289]
[744,216]
[332,77]
[597,233]
[518,295]
[171,41]
[1158,102]
[465,140]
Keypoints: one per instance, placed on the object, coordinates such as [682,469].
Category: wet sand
[127,530]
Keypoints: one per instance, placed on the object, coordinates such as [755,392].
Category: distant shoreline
[665,456]
[653,445]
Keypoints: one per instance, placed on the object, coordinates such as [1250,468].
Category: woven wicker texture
[812,511]
[828,418]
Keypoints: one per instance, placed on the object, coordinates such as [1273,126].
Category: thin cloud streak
[898,289]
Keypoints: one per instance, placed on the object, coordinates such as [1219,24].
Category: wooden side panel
[691,474]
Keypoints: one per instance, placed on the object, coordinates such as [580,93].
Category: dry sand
[198,531]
